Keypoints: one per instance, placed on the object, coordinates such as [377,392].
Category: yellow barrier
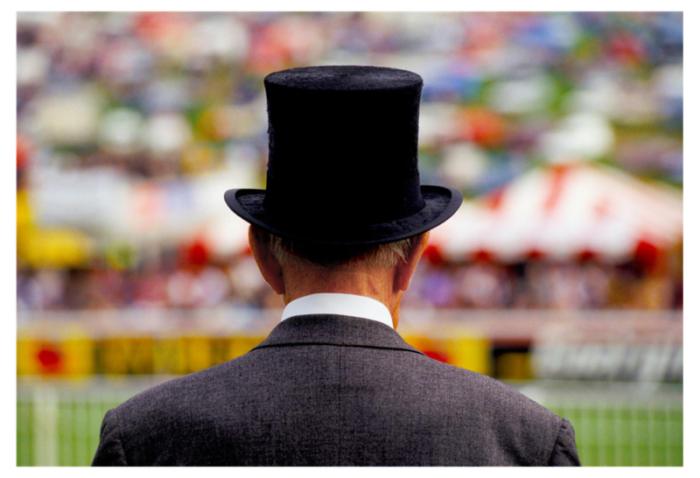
[459,349]
[76,355]
[72,356]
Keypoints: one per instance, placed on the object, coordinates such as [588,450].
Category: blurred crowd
[167,98]
[192,279]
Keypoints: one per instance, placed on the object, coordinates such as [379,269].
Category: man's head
[344,209]
[296,268]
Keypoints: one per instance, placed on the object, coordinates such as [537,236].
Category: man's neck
[375,283]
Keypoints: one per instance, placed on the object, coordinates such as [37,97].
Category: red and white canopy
[563,211]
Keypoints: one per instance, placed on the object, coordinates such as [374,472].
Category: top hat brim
[440,204]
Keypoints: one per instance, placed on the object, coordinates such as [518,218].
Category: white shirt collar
[339,304]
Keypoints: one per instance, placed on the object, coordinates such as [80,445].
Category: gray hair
[292,252]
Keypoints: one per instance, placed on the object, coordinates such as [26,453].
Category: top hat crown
[343,159]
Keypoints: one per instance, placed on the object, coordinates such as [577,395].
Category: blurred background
[562,274]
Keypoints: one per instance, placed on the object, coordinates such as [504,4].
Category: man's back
[334,390]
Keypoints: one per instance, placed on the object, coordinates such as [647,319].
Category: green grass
[60,424]
[627,435]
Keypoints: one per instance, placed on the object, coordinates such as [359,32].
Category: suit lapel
[335,330]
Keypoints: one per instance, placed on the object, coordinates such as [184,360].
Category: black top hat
[343,163]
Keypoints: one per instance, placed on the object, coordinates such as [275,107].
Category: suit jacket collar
[330,329]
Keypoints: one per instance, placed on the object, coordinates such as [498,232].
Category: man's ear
[405,270]
[267,263]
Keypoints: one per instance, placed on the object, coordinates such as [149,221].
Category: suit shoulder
[511,415]
[168,400]
[169,416]
[494,391]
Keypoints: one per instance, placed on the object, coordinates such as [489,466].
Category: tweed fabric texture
[330,390]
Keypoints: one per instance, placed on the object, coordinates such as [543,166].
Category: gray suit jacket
[334,390]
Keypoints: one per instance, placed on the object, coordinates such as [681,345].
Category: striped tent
[565,211]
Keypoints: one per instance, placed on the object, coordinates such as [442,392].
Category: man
[338,234]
